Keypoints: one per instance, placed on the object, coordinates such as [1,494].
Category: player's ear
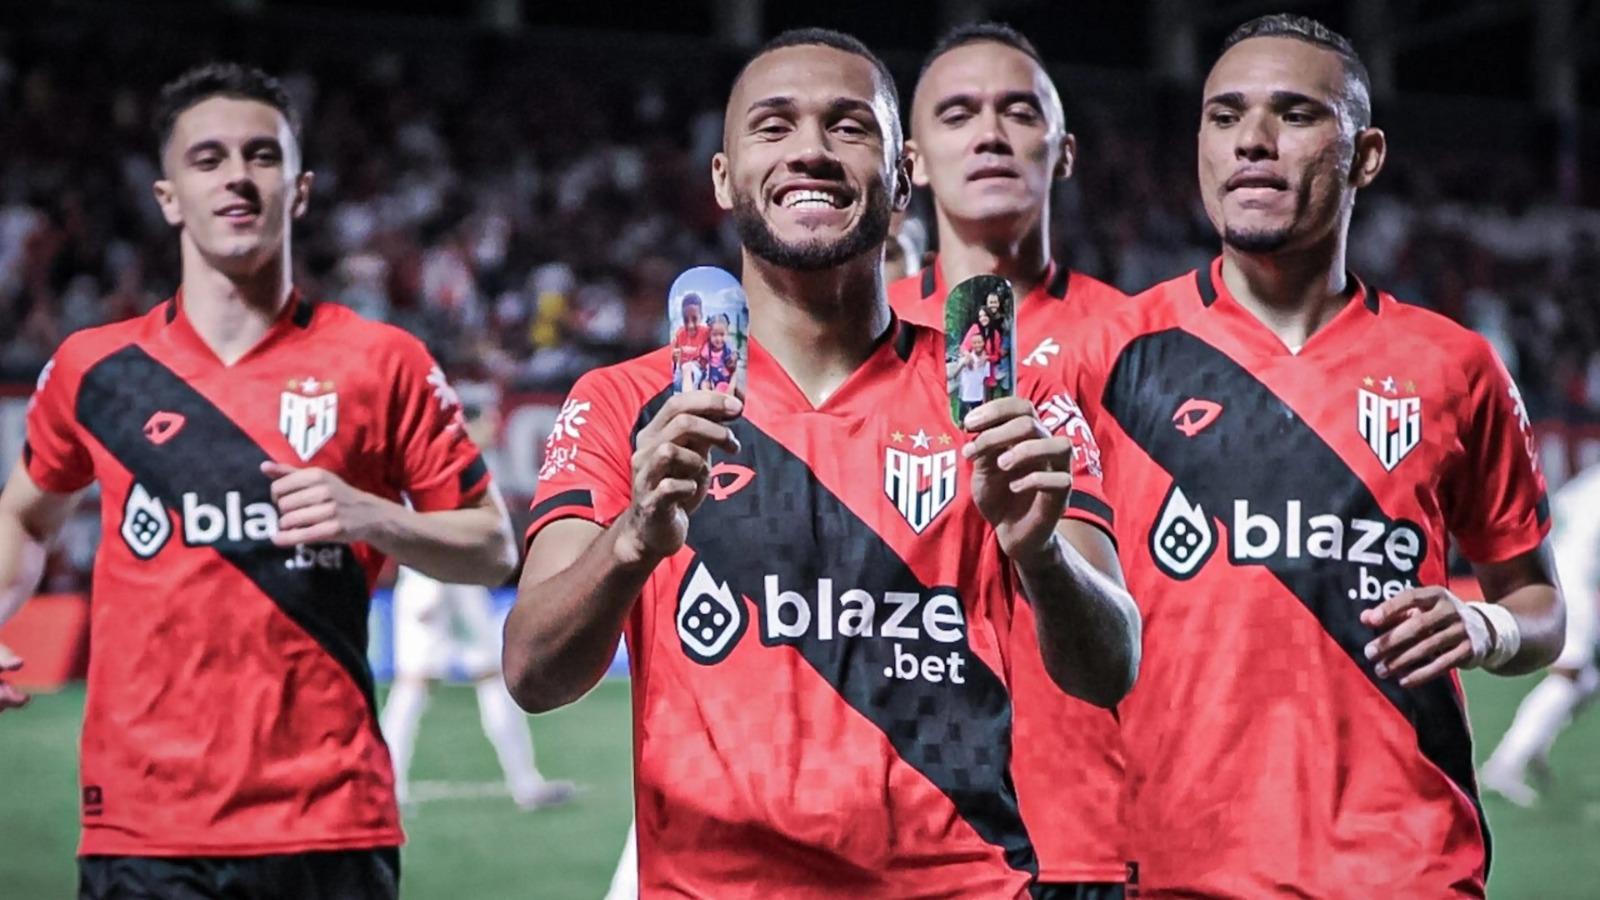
[1069,157]
[719,180]
[902,181]
[1371,150]
[302,193]
[919,166]
[167,198]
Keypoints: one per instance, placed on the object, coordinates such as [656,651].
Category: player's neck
[1294,294]
[231,313]
[819,326]
[1019,253]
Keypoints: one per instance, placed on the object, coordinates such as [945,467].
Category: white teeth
[803,199]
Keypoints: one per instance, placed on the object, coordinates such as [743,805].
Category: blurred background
[518,182]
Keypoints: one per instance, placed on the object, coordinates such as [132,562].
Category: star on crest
[1389,385]
[1367,381]
[944,439]
[896,436]
[919,441]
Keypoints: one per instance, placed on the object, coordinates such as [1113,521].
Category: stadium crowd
[526,220]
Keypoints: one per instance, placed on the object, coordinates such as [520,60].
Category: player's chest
[298,414]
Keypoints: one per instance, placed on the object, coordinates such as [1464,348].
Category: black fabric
[578,497]
[473,473]
[786,524]
[1093,506]
[328,875]
[211,457]
[1080,890]
[1285,461]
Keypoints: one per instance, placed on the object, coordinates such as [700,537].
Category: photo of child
[979,344]
[708,323]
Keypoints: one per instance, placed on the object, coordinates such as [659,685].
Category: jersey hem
[100,846]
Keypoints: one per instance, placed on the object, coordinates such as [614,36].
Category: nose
[992,134]
[1256,138]
[812,152]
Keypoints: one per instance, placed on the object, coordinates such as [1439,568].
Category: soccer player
[1575,676]
[253,448]
[989,137]
[428,613]
[1291,452]
[818,618]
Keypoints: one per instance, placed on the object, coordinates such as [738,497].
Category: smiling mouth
[239,212]
[811,199]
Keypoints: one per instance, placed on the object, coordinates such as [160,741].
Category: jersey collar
[1053,286]
[861,387]
[294,318]
[1363,306]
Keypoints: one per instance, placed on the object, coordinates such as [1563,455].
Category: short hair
[980,33]
[988,33]
[219,79]
[1310,31]
[691,299]
[838,40]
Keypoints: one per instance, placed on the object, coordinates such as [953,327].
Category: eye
[851,129]
[1222,118]
[955,117]
[1299,117]
[265,157]
[772,128]
[205,162]
[1022,112]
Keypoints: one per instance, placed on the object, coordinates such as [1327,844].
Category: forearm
[1088,626]
[563,630]
[1542,623]
[459,546]
[22,558]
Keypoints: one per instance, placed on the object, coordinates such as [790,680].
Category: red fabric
[780,768]
[1262,757]
[1067,755]
[216,723]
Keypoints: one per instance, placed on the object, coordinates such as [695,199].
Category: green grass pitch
[468,840]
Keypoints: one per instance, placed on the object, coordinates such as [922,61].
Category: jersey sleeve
[431,457]
[586,471]
[1059,411]
[54,452]
[1495,503]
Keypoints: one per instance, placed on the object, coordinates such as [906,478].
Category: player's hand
[1422,634]
[10,696]
[672,470]
[316,506]
[1021,475]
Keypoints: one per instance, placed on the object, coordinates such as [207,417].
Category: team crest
[1389,418]
[308,413]
[919,475]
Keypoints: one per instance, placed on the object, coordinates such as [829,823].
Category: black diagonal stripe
[786,525]
[472,474]
[1093,506]
[209,456]
[1259,450]
[577,497]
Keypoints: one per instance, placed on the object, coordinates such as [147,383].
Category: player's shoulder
[82,349]
[915,298]
[1437,333]
[350,328]
[626,387]
[1082,287]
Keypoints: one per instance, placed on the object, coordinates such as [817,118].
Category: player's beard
[1260,240]
[870,233]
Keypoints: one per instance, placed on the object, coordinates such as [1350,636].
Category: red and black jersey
[1265,497]
[821,676]
[1067,753]
[230,705]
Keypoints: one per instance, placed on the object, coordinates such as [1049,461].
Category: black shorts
[327,875]
[1080,890]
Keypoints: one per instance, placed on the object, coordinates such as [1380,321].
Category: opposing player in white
[1575,676]
[436,622]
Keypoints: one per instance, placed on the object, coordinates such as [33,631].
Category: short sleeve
[54,452]
[1061,415]
[1495,503]
[433,461]
[586,469]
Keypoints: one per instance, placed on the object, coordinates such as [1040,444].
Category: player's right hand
[10,697]
[672,471]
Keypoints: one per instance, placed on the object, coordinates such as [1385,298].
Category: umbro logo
[163,427]
[1042,353]
[727,479]
[1195,415]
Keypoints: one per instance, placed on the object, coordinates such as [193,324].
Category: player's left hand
[316,506]
[1422,634]
[1021,475]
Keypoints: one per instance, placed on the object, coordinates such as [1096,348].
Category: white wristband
[1506,637]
